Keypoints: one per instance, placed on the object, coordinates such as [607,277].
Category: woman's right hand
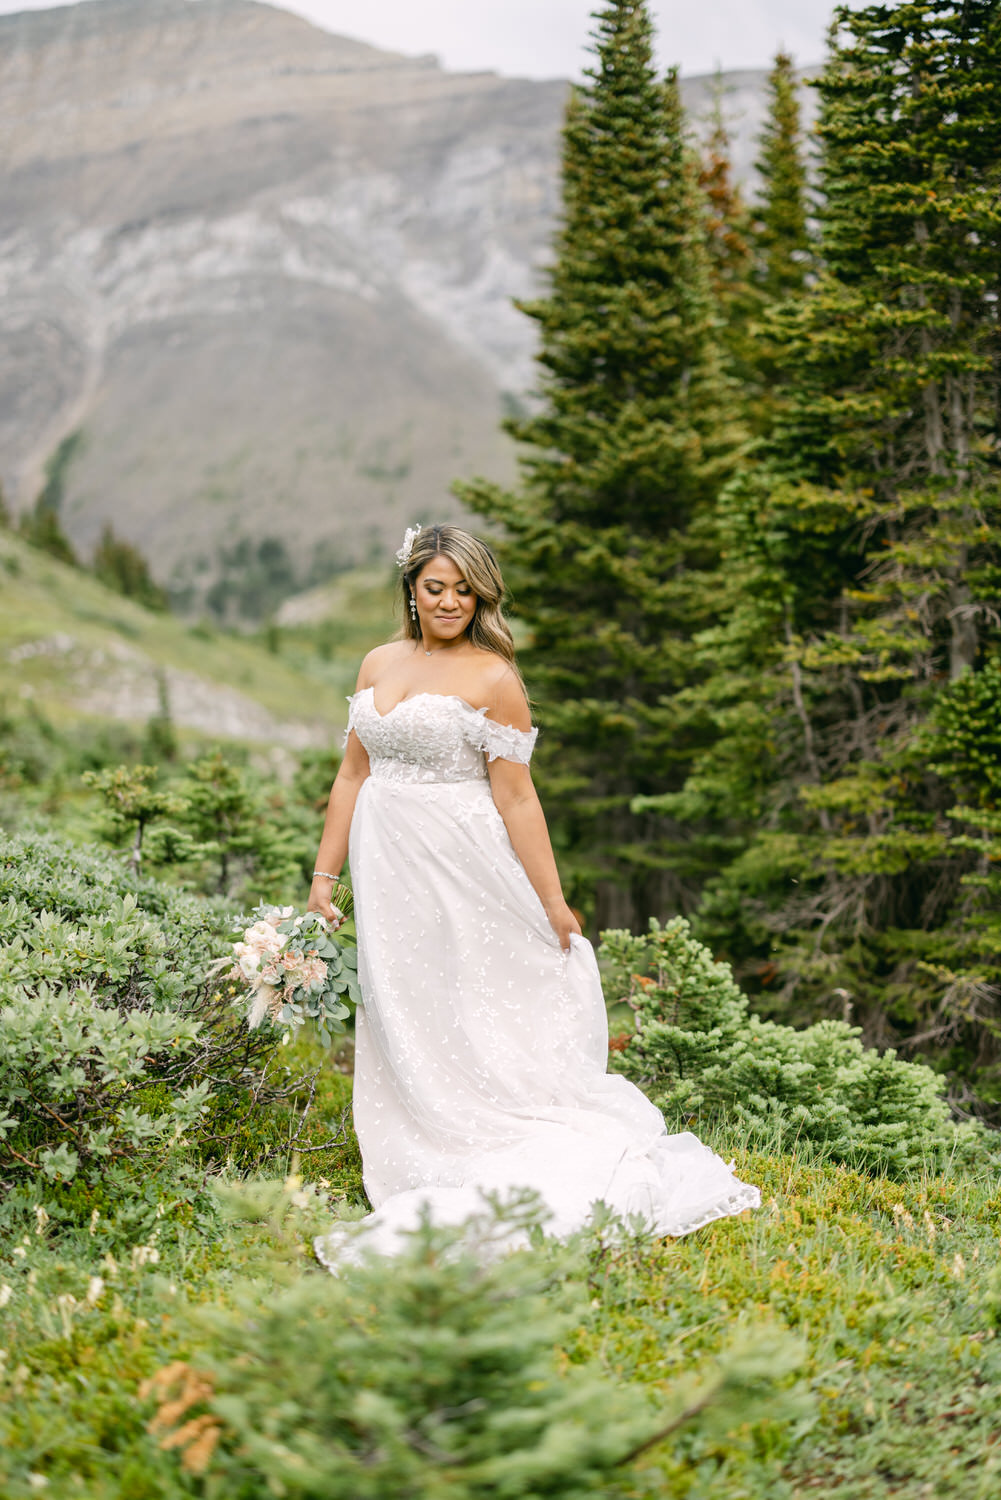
[319,901]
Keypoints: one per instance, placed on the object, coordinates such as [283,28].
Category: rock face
[265,275]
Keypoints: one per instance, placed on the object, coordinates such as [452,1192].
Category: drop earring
[413,607]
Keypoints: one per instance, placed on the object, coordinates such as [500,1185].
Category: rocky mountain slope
[261,277]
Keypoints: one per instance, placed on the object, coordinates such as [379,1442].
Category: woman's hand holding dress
[564,924]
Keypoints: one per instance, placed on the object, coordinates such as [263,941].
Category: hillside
[71,648]
[263,275]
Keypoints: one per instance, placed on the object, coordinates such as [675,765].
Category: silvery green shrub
[701,1056]
[115,1050]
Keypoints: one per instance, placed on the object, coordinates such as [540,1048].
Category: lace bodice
[433,737]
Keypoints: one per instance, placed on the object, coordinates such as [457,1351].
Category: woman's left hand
[564,924]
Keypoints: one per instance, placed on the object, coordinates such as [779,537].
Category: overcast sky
[545,38]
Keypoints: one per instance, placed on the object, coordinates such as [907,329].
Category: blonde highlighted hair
[488,628]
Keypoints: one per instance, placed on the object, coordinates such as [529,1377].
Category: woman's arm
[518,804]
[333,850]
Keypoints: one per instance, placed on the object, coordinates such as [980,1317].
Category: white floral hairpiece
[409,538]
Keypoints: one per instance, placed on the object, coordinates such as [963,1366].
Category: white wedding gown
[481,1047]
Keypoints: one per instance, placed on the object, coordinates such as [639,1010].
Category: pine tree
[727,219]
[865,555]
[122,567]
[728,227]
[781,240]
[621,464]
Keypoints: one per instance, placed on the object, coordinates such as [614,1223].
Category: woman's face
[445,601]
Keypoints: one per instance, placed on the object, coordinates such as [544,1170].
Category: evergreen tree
[781,240]
[621,464]
[737,301]
[42,528]
[727,218]
[122,567]
[865,560]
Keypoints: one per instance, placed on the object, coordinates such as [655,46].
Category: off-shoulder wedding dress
[481,1048]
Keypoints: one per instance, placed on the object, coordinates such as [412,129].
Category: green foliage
[878,1293]
[122,567]
[701,1056]
[621,465]
[444,1377]
[728,231]
[113,1044]
[131,802]
[41,528]
[252,581]
[41,525]
[217,825]
[860,568]
[781,242]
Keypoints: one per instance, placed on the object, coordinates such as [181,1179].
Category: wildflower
[93,1220]
[6,1292]
[94,1289]
[41,1219]
[66,1304]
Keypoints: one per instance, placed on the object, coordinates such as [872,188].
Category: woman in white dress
[481,1047]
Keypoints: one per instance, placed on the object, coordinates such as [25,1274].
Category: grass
[889,1289]
[89,628]
[889,1292]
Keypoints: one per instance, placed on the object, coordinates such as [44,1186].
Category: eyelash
[464,590]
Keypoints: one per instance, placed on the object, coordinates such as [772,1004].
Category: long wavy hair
[488,628]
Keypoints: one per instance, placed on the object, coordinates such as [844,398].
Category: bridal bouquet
[295,970]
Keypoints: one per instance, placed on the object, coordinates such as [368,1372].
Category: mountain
[256,282]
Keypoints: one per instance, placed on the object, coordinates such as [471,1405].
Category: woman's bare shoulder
[381,657]
[500,691]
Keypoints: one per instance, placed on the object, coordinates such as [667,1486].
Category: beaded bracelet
[326,875]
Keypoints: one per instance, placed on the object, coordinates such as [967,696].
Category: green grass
[42,600]
[890,1290]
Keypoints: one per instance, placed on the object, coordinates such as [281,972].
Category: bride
[481,1048]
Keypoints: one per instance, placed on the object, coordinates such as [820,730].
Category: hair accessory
[409,538]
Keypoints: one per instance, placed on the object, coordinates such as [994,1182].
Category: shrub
[444,1374]
[699,1054]
[121,1064]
